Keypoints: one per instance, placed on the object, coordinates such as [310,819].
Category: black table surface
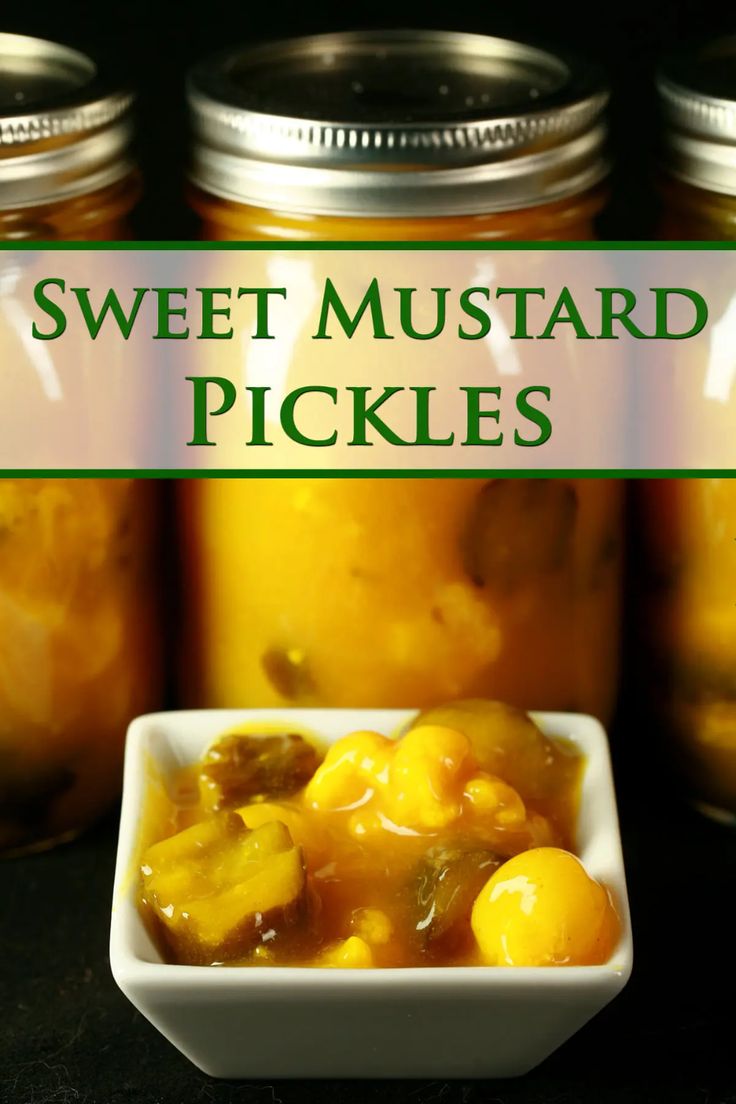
[68,1036]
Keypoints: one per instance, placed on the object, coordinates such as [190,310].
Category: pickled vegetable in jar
[79,647]
[690,532]
[395,592]
[79,653]
[399,592]
[689,525]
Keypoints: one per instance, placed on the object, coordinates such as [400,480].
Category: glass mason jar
[362,592]
[689,525]
[79,653]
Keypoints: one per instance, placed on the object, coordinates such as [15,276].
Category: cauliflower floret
[353,953]
[352,769]
[421,783]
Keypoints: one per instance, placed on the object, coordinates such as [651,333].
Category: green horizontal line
[398,246]
[375,473]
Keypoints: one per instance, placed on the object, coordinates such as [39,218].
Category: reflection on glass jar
[689,525]
[79,649]
[399,592]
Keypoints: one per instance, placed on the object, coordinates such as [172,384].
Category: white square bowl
[429,1022]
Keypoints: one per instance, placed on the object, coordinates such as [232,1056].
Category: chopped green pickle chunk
[448,881]
[241,768]
[218,889]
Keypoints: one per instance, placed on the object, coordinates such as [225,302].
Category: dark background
[67,1036]
[152,42]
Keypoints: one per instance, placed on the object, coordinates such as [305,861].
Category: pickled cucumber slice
[217,889]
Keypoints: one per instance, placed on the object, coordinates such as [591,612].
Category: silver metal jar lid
[396,123]
[62,133]
[697,89]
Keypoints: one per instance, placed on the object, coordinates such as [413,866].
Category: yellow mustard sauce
[566,220]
